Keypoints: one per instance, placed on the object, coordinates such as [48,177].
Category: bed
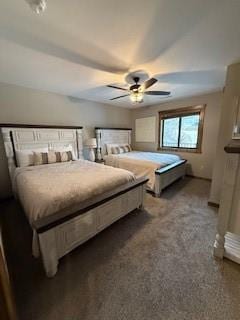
[66,203]
[161,169]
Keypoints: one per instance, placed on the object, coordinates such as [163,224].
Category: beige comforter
[142,163]
[46,189]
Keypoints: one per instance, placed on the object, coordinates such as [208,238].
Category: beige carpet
[155,264]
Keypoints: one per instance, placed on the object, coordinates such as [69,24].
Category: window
[181,129]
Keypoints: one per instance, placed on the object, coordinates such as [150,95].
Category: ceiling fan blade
[157,93]
[149,83]
[125,95]
[115,87]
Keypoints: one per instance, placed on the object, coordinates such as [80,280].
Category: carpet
[153,264]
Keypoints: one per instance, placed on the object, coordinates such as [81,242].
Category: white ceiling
[77,47]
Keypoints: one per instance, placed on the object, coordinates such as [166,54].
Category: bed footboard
[61,233]
[167,175]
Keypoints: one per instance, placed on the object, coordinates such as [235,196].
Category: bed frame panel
[56,242]
[110,136]
[24,138]
[163,177]
[168,175]
[58,234]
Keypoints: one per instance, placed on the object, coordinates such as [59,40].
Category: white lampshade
[91,143]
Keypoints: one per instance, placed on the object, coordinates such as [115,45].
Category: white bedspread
[142,163]
[46,189]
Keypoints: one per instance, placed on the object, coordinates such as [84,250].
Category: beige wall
[232,89]
[22,105]
[200,165]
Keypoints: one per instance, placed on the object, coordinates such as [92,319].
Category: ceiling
[77,47]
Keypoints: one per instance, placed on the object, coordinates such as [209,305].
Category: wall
[22,105]
[232,89]
[200,165]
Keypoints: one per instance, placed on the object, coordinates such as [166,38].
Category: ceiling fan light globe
[136,97]
[132,98]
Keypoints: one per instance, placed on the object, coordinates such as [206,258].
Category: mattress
[142,163]
[46,189]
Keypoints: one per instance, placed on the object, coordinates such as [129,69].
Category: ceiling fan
[137,91]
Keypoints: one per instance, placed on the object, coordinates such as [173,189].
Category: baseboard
[213,204]
[232,247]
[196,177]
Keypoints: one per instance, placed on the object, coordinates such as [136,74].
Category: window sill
[180,150]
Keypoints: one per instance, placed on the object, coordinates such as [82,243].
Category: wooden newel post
[222,245]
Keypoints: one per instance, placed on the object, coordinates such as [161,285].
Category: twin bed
[162,169]
[66,199]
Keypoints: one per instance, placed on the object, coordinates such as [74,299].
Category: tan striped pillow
[129,148]
[65,156]
[115,150]
[40,158]
[121,149]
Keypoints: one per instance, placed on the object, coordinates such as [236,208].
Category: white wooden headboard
[110,136]
[27,137]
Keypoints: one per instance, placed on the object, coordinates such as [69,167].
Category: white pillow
[25,157]
[65,149]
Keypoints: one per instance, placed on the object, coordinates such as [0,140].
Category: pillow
[127,148]
[25,157]
[110,146]
[117,150]
[51,157]
[65,149]
[114,148]
[121,149]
